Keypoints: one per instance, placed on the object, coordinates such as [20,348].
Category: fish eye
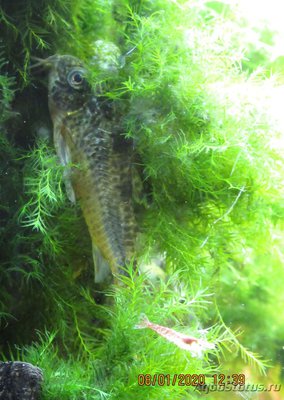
[75,78]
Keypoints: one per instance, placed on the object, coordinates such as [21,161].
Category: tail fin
[143,322]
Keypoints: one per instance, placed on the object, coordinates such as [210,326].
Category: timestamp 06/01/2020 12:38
[189,379]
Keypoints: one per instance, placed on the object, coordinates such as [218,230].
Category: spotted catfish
[98,159]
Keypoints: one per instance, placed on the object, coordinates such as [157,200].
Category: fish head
[68,87]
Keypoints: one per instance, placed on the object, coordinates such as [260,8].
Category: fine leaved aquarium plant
[197,88]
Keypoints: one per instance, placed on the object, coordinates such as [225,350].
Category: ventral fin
[102,267]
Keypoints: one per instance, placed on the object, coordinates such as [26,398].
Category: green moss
[111,357]
[209,147]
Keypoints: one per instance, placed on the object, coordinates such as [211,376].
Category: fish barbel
[89,141]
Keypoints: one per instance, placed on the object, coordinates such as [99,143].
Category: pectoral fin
[64,155]
[68,185]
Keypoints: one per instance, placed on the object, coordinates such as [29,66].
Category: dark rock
[19,381]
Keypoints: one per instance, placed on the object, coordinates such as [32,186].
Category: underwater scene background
[199,90]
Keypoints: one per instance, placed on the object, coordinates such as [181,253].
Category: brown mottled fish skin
[87,133]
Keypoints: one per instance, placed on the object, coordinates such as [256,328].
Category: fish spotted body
[98,159]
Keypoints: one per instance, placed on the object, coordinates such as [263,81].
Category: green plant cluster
[112,357]
[211,160]
[211,146]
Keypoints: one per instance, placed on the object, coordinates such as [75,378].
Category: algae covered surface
[199,90]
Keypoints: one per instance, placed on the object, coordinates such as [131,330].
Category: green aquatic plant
[44,28]
[209,148]
[43,188]
[113,362]
[7,85]
[202,142]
